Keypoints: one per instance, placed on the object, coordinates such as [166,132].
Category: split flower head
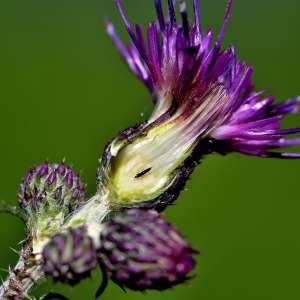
[204,102]
[141,251]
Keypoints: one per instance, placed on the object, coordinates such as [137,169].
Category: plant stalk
[22,277]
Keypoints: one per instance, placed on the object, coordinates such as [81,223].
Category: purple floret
[194,81]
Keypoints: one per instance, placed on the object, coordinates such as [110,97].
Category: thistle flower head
[140,250]
[69,256]
[51,186]
[204,101]
[48,194]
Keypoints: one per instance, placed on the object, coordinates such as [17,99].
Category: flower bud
[48,194]
[51,186]
[69,256]
[140,250]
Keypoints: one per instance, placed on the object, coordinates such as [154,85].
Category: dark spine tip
[172,14]
[185,21]
[225,22]
[197,15]
[129,29]
[160,14]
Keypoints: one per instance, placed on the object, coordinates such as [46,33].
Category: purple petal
[172,14]
[160,14]
[225,22]
[197,16]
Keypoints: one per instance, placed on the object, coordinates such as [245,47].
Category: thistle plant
[204,103]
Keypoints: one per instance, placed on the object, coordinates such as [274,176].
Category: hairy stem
[28,270]
[22,277]
[92,215]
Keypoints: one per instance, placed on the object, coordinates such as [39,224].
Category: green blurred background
[65,92]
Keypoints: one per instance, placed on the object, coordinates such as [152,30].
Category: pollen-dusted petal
[159,257]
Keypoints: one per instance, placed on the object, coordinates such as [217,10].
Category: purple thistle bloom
[70,256]
[203,89]
[204,102]
[140,251]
